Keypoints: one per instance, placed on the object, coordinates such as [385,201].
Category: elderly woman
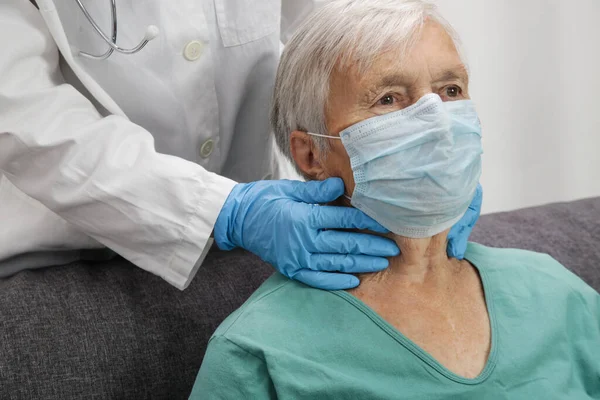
[375,92]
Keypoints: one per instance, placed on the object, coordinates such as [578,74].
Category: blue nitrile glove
[281,222]
[460,232]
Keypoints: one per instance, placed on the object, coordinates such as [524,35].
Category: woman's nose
[417,95]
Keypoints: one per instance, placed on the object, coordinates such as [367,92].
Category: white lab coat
[137,152]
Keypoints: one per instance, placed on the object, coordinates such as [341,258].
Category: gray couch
[113,331]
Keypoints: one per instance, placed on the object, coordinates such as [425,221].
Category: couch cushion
[113,331]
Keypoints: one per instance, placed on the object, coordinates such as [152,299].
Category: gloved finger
[458,236]
[348,264]
[326,280]
[330,217]
[457,247]
[342,242]
[477,200]
[317,192]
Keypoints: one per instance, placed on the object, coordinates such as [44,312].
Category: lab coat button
[207,148]
[193,50]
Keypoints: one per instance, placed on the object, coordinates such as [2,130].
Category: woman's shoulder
[476,250]
[279,304]
[517,267]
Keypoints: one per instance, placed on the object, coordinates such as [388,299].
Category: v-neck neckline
[424,355]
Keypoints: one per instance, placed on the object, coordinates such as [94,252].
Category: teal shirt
[289,341]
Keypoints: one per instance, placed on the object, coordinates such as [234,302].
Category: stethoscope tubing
[151,32]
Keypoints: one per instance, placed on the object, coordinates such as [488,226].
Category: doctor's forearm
[153,209]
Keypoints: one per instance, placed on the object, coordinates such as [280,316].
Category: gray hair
[340,34]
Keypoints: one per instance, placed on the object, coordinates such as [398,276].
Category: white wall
[535,77]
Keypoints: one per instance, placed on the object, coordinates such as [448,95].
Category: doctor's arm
[102,175]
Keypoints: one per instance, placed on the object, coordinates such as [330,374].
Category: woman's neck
[421,262]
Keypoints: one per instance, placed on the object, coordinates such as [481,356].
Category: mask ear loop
[330,137]
[325,136]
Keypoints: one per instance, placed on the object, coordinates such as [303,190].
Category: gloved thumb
[318,192]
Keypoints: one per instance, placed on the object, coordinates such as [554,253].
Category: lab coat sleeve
[102,175]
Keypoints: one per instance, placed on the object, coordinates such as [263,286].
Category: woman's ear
[306,155]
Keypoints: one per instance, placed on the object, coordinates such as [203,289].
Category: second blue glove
[460,232]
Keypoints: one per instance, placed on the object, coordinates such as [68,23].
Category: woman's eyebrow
[457,73]
[386,81]
[402,80]
[391,80]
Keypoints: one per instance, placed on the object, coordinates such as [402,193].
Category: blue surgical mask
[416,170]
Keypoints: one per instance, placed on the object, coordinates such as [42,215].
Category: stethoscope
[152,31]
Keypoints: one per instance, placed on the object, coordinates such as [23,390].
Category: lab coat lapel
[52,19]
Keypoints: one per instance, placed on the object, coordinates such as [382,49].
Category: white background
[535,77]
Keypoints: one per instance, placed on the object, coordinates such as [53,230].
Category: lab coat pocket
[243,21]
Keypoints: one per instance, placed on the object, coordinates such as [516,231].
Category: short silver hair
[340,34]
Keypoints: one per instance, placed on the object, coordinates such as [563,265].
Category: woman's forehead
[433,57]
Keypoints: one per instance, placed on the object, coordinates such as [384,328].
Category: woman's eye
[386,100]
[453,91]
